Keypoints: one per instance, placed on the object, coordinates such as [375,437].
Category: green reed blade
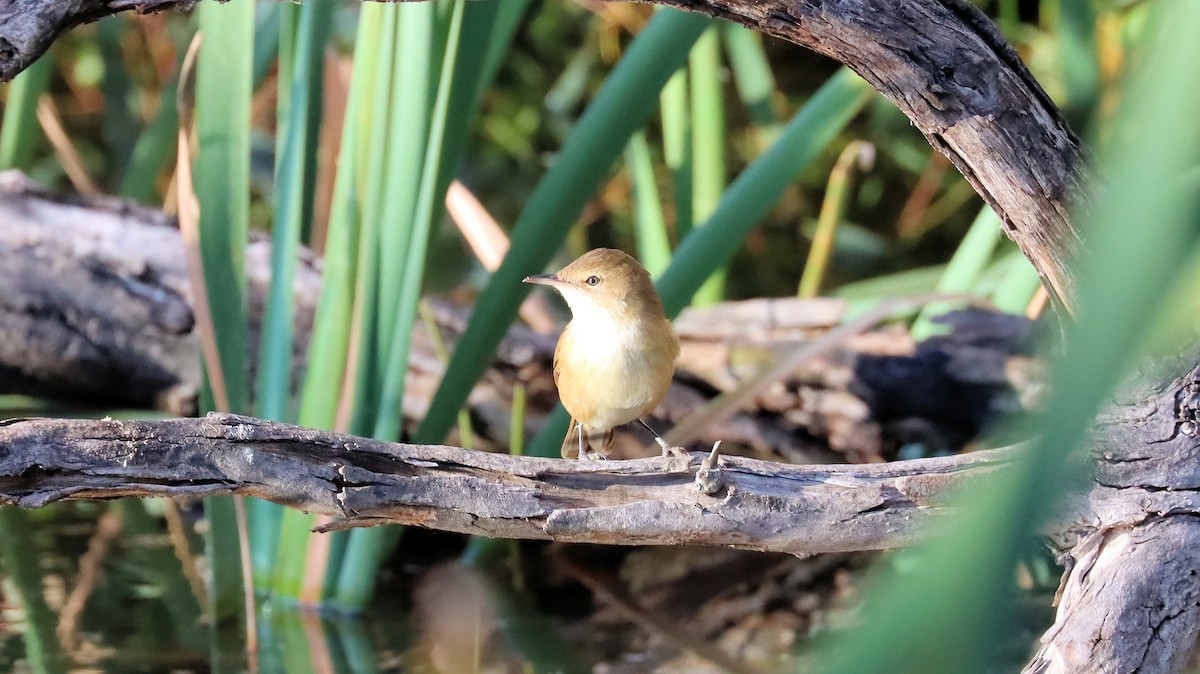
[962,592]
[20,561]
[119,123]
[677,147]
[833,210]
[368,545]
[413,83]
[1018,286]
[222,183]
[653,243]
[755,83]
[301,54]
[968,262]
[752,195]
[20,131]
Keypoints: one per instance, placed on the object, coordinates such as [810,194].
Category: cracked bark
[1131,602]
[760,505]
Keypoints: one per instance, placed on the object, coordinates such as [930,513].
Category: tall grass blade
[332,336]
[620,108]
[971,565]
[367,546]
[330,341]
[363,382]
[20,560]
[1014,292]
[653,242]
[413,83]
[153,151]
[119,122]
[20,131]
[301,58]
[752,195]
[268,26]
[833,209]
[755,83]
[275,352]
[222,180]
[677,147]
[708,144]
[966,265]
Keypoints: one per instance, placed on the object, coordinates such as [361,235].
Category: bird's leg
[585,451]
[667,450]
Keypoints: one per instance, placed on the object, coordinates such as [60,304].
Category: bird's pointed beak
[545,280]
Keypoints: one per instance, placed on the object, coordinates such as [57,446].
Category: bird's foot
[593,455]
[668,450]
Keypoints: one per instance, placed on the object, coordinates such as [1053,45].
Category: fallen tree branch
[760,505]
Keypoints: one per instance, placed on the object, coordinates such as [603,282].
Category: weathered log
[1131,600]
[95,305]
[1131,603]
[755,505]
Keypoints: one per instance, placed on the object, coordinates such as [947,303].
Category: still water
[100,587]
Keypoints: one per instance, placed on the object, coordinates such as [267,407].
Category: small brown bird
[615,359]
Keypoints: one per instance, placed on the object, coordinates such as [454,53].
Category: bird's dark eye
[593,280]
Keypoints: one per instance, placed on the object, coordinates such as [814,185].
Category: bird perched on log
[615,359]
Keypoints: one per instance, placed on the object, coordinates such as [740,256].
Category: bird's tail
[571,444]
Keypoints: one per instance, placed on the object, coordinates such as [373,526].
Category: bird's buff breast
[610,375]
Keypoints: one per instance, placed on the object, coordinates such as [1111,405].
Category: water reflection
[139,610]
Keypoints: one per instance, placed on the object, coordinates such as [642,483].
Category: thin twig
[68,156]
[177,534]
[91,566]
[490,244]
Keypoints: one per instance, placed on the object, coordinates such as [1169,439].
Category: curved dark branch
[29,27]
[947,67]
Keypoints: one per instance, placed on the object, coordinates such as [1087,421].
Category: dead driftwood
[752,504]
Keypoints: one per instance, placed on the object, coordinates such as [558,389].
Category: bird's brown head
[608,280]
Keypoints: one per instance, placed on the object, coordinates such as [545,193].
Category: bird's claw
[669,450]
